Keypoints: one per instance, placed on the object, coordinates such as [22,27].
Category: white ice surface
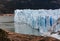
[24,18]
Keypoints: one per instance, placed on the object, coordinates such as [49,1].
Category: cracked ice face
[58,21]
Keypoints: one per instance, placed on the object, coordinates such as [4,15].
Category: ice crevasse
[36,22]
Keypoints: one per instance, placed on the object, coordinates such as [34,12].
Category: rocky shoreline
[11,36]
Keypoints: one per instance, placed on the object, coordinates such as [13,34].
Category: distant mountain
[8,6]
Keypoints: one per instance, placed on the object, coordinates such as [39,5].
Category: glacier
[36,22]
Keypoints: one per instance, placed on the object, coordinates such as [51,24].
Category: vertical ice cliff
[36,22]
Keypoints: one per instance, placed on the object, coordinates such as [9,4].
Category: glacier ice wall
[35,22]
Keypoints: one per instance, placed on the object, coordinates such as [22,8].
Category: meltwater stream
[36,22]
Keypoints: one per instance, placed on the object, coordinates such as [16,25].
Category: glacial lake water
[7,23]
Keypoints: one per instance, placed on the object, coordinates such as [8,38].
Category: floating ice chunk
[55,36]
